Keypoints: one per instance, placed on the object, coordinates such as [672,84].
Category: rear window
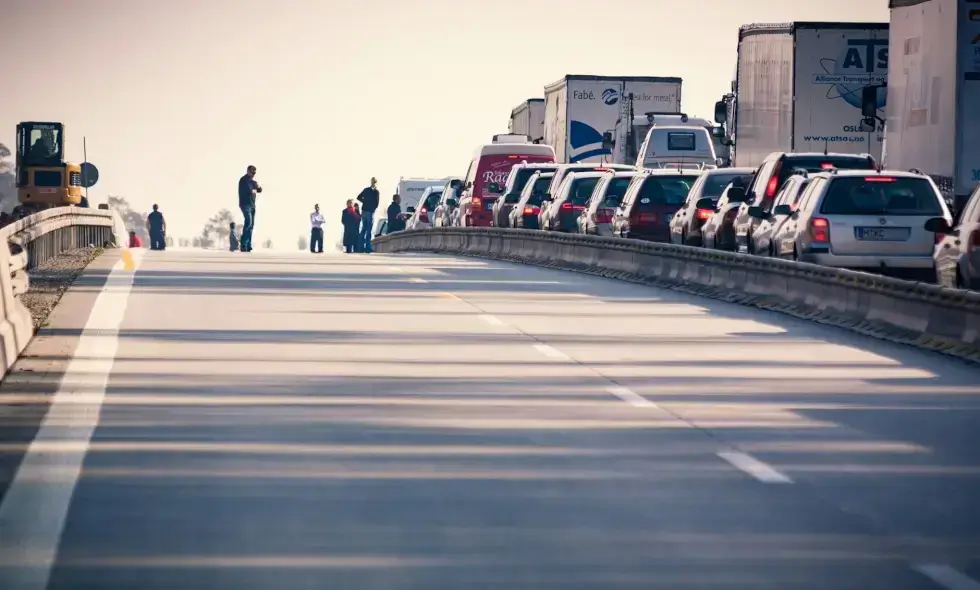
[881,195]
[818,163]
[537,190]
[522,175]
[615,191]
[497,167]
[680,141]
[432,201]
[664,190]
[581,190]
[715,184]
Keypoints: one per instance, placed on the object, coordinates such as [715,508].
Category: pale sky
[176,98]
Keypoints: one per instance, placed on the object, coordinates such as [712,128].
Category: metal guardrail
[28,243]
[924,315]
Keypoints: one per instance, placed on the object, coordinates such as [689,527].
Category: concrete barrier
[919,314]
[27,243]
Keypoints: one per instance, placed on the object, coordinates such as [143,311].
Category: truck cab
[688,146]
[44,179]
[626,144]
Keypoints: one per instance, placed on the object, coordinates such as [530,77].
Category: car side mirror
[410,210]
[869,102]
[494,188]
[705,203]
[782,210]
[736,193]
[719,162]
[938,225]
[757,212]
[718,131]
[721,111]
[607,140]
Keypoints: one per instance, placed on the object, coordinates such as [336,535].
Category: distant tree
[196,242]
[217,229]
[267,244]
[134,220]
[302,244]
[8,188]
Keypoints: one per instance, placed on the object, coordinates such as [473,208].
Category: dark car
[718,232]
[770,176]
[685,227]
[650,203]
[561,212]
[511,191]
[597,218]
[524,213]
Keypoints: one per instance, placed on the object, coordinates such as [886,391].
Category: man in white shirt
[316,231]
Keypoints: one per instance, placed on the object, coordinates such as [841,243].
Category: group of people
[358,218]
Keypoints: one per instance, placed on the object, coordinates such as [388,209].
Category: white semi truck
[527,119]
[580,109]
[933,115]
[798,88]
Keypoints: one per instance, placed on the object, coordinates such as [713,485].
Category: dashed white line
[947,577]
[396,269]
[550,352]
[417,280]
[630,397]
[32,515]
[492,320]
[754,467]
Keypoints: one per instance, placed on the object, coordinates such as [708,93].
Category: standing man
[316,231]
[369,198]
[396,221]
[247,189]
[157,228]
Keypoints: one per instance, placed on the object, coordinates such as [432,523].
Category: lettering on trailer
[498,176]
[610,96]
[875,55]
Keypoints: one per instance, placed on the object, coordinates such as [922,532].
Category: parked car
[718,232]
[446,212]
[651,200]
[786,202]
[511,191]
[775,169]
[865,220]
[561,211]
[428,203]
[957,254]
[597,218]
[685,226]
[524,214]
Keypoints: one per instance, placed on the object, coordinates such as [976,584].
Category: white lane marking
[630,397]
[32,515]
[396,269]
[754,467]
[452,296]
[417,280]
[550,352]
[492,320]
[947,577]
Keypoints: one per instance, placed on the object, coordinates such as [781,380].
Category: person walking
[248,188]
[369,198]
[316,231]
[351,220]
[156,226]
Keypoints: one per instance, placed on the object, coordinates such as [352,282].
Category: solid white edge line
[492,320]
[417,280]
[549,351]
[947,577]
[631,397]
[396,269]
[754,467]
[34,510]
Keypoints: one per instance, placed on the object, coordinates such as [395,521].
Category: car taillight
[705,214]
[423,215]
[773,185]
[477,202]
[566,206]
[604,215]
[529,210]
[819,229]
[646,218]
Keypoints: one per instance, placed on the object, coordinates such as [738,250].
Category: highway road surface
[373,422]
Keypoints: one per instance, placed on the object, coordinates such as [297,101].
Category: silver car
[786,202]
[957,254]
[864,220]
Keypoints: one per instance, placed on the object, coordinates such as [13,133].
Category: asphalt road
[379,422]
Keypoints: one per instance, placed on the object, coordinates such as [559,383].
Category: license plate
[489,206]
[882,234]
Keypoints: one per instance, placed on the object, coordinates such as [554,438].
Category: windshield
[881,195]
[715,184]
[521,176]
[432,201]
[664,190]
[581,190]
[615,191]
[819,163]
[44,143]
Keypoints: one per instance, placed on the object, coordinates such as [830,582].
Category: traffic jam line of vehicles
[616,156]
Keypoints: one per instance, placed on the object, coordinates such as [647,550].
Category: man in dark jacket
[370,198]
[396,221]
[247,189]
[156,226]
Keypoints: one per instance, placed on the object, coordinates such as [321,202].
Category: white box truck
[798,88]
[933,115]
[527,119]
[411,189]
[579,109]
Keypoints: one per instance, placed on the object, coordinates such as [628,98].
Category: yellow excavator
[44,179]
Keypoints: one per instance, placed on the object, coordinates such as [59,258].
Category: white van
[688,146]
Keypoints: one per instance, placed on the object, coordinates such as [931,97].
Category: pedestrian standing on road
[232,237]
[369,198]
[156,226]
[316,230]
[396,221]
[351,220]
[248,188]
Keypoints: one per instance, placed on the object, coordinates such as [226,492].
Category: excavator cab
[44,179]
